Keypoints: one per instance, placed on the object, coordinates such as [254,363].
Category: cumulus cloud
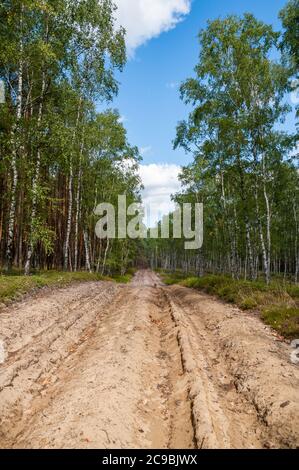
[159,181]
[146,19]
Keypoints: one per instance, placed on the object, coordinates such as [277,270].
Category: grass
[278,303]
[15,285]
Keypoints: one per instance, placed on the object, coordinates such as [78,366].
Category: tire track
[142,366]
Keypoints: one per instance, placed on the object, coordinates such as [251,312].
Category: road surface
[101,365]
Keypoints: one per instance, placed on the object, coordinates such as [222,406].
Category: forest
[245,167]
[60,156]
[64,150]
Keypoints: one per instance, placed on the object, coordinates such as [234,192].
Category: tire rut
[141,366]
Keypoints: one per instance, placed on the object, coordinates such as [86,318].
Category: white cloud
[146,19]
[159,181]
[145,150]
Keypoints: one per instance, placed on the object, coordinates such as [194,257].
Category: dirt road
[142,366]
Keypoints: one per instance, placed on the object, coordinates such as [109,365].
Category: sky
[163,50]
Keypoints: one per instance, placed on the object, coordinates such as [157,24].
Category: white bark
[35,179]
[69,219]
[70,200]
[249,248]
[268,218]
[296,243]
[105,257]
[78,208]
[261,235]
[15,148]
[87,252]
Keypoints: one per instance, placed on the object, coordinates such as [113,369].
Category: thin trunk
[35,179]
[261,235]
[70,199]
[105,256]
[69,218]
[99,257]
[249,251]
[268,216]
[78,209]
[296,243]
[15,148]
[87,251]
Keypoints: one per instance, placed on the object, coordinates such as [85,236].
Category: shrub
[249,303]
[283,319]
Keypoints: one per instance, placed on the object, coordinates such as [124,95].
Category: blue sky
[148,98]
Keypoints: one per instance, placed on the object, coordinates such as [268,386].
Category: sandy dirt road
[100,365]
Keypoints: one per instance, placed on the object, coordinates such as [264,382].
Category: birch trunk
[105,257]
[38,162]
[268,216]
[15,148]
[35,180]
[87,252]
[249,250]
[261,236]
[296,243]
[69,219]
[78,208]
[70,200]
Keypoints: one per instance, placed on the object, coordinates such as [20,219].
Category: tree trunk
[87,252]
[296,243]
[105,256]
[78,206]
[70,199]
[15,149]
[268,217]
[35,180]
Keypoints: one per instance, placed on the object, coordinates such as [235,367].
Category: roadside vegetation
[15,285]
[278,303]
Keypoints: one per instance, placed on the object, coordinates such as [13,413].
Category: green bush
[249,303]
[293,291]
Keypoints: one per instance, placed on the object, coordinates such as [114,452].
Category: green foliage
[283,319]
[42,234]
[290,20]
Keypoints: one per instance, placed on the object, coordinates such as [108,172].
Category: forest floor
[142,365]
